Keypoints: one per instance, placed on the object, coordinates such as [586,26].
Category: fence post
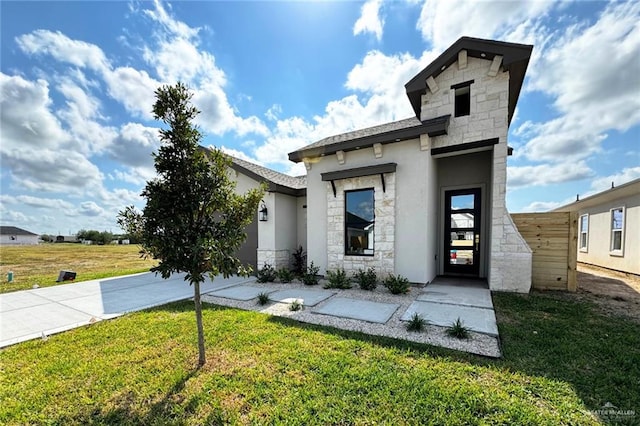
[572,255]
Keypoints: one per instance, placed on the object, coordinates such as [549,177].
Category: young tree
[193,220]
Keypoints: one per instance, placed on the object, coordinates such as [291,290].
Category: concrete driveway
[30,314]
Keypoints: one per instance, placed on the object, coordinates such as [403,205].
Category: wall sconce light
[263,213]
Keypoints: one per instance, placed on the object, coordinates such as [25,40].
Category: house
[419,197]
[609,228]
[11,235]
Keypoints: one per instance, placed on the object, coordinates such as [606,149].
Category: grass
[41,264]
[139,369]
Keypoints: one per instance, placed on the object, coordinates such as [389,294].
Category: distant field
[41,264]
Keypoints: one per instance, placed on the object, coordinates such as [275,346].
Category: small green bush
[458,330]
[299,261]
[416,323]
[310,277]
[285,275]
[396,284]
[266,274]
[263,298]
[338,279]
[296,305]
[367,280]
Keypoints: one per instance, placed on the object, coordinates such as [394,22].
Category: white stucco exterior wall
[277,236]
[301,221]
[18,240]
[415,206]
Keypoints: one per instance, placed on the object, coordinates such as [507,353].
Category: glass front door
[462,232]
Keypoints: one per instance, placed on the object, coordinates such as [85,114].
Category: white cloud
[63,49]
[547,174]
[370,20]
[89,208]
[42,203]
[176,56]
[603,183]
[133,88]
[542,206]
[590,84]
[56,171]
[135,144]
[443,22]
[25,114]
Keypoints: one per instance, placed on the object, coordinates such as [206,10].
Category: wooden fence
[553,239]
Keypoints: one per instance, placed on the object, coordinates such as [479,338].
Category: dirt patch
[615,293]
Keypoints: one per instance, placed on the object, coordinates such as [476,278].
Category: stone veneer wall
[276,258]
[383,259]
[511,258]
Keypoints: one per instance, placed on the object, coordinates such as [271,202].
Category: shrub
[310,276]
[266,274]
[416,323]
[296,305]
[338,279]
[396,284]
[263,298]
[367,280]
[285,275]
[299,261]
[458,330]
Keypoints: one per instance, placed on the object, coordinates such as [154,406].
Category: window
[584,232]
[359,222]
[462,104]
[617,230]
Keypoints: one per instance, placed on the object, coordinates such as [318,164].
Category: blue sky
[77,82]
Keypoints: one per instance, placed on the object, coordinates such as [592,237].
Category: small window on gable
[463,101]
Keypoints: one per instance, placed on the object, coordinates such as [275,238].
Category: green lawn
[561,360]
[40,264]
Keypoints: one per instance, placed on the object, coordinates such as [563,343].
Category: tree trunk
[196,299]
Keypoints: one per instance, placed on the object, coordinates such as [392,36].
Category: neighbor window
[462,105]
[584,232]
[359,222]
[617,230]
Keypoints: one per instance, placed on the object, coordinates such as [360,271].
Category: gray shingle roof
[362,133]
[12,230]
[272,176]
[396,131]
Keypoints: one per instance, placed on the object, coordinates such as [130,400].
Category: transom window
[617,230]
[359,222]
[584,232]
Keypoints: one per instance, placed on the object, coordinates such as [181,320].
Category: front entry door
[462,232]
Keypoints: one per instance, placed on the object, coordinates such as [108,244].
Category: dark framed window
[359,226]
[462,104]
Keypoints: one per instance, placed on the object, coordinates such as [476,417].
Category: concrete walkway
[30,314]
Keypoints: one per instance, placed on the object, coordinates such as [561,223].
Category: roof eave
[515,58]
[435,127]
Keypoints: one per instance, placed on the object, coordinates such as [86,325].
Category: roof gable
[515,59]
[276,181]
[13,230]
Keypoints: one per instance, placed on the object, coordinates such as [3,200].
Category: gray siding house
[609,228]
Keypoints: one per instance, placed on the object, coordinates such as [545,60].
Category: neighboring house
[66,239]
[11,235]
[609,228]
[419,197]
